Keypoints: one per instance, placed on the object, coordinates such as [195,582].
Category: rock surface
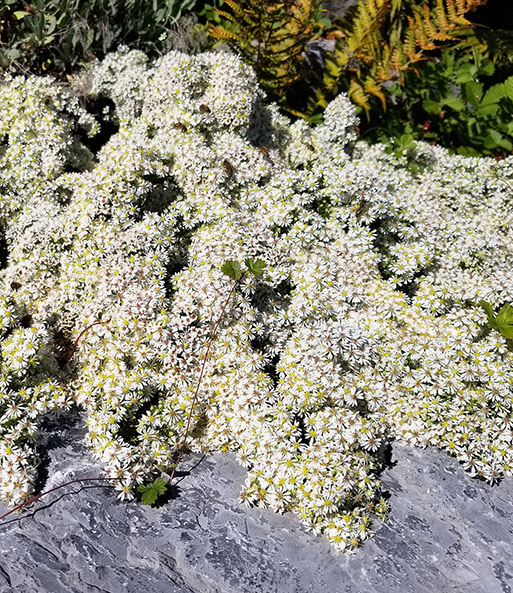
[447,533]
[336,8]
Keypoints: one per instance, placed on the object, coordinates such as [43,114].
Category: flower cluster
[363,328]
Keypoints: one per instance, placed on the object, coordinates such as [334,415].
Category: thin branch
[196,393]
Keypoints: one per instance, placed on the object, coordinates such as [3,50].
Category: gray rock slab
[447,533]
[338,7]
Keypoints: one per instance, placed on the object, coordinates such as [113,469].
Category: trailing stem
[213,332]
[38,496]
[68,355]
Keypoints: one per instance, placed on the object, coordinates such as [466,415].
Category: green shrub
[57,36]
[448,102]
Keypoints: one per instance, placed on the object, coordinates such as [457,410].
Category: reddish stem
[182,448]
[69,354]
[38,496]
[209,343]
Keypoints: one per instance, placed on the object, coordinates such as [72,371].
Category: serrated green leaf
[489,313]
[506,144]
[487,68]
[431,106]
[473,92]
[463,75]
[150,492]
[488,109]
[232,269]
[493,139]
[255,266]
[493,95]
[463,78]
[505,315]
[454,103]
[508,87]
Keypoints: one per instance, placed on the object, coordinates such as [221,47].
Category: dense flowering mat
[364,326]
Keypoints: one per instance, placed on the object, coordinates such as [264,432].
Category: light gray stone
[338,7]
[447,533]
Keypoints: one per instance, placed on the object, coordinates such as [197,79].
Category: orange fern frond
[373,88]
[358,96]
[420,33]
[222,33]
[441,16]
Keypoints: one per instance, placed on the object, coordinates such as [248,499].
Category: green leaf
[504,321]
[489,313]
[508,87]
[494,139]
[13,54]
[255,266]
[406,142]
[487,109]
[473,93]
[506,144]
[232,269]
[493,95]
[20,14]
[431,106]
[464,74]
[51,23]
[454,103]
[463,78]
[487,68]
[150,492]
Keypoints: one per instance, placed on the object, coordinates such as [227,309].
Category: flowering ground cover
[364,327]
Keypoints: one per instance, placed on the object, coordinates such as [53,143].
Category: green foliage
[382,39]
[271,35]
[233,269]
[56,35]
[449,102]
[150,492]
[255,266]
[503,321]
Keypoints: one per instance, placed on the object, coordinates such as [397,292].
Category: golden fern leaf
[473,4]
[431,30]
[421,34]
[367,19]
[224,14]
[397,59]
[358,96]
[382,69]
[441,16]
[455,15]
[235,6]
[396,6]
[246,15]
[410,41]
[222,33]
[373,88]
